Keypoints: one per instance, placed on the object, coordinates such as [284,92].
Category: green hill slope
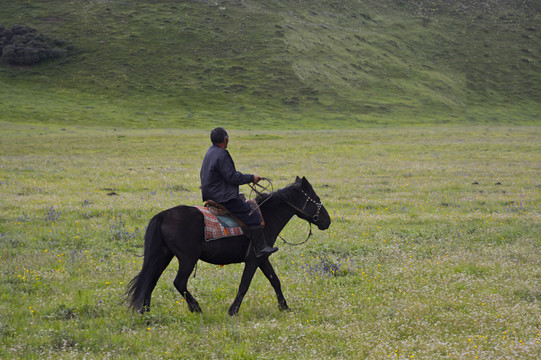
[270,64]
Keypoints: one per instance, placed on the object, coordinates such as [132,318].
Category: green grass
[281,65]
[433,252]
[417,123]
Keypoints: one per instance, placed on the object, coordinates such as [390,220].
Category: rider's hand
[256,178]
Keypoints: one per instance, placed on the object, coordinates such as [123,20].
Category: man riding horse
[220,182]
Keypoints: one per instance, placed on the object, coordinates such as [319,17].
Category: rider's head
[219,136]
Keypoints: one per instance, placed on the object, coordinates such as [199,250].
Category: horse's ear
[298,180]
[305,182]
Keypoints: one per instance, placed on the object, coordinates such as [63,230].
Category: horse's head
[308,206]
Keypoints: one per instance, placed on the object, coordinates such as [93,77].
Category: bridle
[315,217]
[318,205]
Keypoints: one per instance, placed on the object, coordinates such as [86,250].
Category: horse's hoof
[195,309]
[282,305]
[233,312]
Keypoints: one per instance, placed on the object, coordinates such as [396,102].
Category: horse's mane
[284,194]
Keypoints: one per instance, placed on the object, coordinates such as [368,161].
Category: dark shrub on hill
[24,45]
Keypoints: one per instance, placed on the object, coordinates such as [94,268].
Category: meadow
[433,253]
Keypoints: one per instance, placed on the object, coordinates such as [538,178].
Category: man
[220,182]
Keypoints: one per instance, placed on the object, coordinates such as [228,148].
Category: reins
[315,217]
[264,188]
[297,244]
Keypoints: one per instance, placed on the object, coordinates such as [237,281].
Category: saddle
[220,223]
[220,210]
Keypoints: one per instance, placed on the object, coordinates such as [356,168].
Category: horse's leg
[160,264]
[247,275]
[268,270]
[185,269]
[184,233]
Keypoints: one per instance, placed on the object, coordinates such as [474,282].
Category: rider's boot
[260,246]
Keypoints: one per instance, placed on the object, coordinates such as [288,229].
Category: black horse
[179,232]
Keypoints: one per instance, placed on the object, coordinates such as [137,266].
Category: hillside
[270,64]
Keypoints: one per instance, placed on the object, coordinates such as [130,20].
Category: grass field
[434,251]
[421,135]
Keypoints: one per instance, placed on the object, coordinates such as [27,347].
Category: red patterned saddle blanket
[219,223]
[219,226]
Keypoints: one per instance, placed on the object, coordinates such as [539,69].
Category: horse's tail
[141,286]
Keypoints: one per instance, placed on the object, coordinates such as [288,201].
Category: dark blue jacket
[219,179]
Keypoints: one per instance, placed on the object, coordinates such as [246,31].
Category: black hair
[218,135]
